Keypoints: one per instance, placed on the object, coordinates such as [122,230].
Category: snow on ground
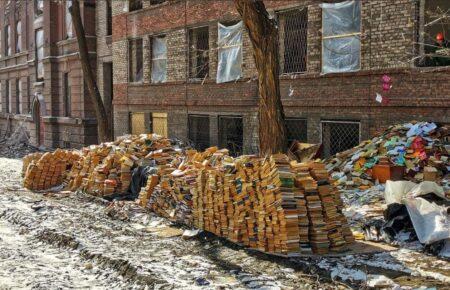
[67,240]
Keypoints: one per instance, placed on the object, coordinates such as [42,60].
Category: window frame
[18,36]
[152,59]
[193,73]
[8,40]
[132,75]
[340,36]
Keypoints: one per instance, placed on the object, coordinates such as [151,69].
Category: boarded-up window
[159,59]
[231,134]
[338,136]
[67,96]
[296,130]
[139,123]
[159,124]
[199,52]
[341,36]
[135,60]
[199,131]
[19,36]
[293,40]
[39,53]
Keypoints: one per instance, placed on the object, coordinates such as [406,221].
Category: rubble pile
[48,170]
[271,204]
[413,151]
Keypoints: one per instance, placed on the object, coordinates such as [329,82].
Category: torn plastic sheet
[229,66]
[341,43]
[159,59]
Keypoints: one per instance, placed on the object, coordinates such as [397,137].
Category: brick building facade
[333,108]
[42,86]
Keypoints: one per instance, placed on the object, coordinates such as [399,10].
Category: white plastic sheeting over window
[159,59]
[19,36]
[229,66]
[40,53]
[8,36]
[341,43]
[69,24]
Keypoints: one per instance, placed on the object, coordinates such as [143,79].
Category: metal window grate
[338,136]
[296,130]
[231,134]
[293,40]
[199,52]
[199,131]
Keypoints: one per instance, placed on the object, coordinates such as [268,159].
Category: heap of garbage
[272,204]
[417,151]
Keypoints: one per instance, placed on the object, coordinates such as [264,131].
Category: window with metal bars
[199,131]
[199,52]
[338,136]
[231,134]
[134,5]
[293,40]
[296,130]
[135,59]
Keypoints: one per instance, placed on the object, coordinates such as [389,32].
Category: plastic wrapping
[19,36]
[159,60]
[341,43]
[69,25]
[229,66]
[40,52]
[8,41]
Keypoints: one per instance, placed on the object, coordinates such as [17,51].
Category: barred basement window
[134,5]
[433,33]
[135,61]
[231,134]
[293,40]
[296,130]
[338,136]
[199,52]
[199,131]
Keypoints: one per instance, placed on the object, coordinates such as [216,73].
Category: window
[67,96]
[18,95]
[159,124]
[68,20]
[231,134]
[135,60]
[1,98]
[159,59]
[39,6]
[108,18]
[8,40]
[39,53]
[229,43]
[28,94]
[433,33]
[199,131]
[199,52]
[296,130]
[134,5]
[18,36]
[156,2]
[293,40]
[8,96]
[341,36]
[338,136]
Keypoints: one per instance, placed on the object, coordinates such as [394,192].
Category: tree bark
[263,34]
[103,126]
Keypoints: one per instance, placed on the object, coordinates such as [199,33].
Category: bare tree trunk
[263,34]
[104,129]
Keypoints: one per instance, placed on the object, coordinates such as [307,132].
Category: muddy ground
[67,240]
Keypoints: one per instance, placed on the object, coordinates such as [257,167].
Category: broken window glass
[159,59]
[199,52]
[229,66]
[341,39]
